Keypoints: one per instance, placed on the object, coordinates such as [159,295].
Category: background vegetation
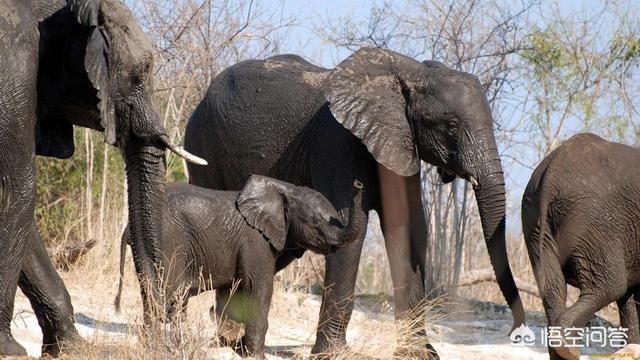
[550,69]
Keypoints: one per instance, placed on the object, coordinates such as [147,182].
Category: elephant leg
[16,212]
[405,232]
[12,249]
[588,303]
[230,327]
[552,288]
[48,296]
[337,298]
[259,292]
[629,316]
[17,183]
[600,283]
[18,69]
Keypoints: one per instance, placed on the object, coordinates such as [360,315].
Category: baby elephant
[581,224]
[223,237]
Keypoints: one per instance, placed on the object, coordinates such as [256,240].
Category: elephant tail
[123,255]
[536,228]
[548,257]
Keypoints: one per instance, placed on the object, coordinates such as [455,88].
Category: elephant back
[251,113]
[586,171]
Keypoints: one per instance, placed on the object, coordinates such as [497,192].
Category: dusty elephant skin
[212,238]
[89,64]
[581,225]
[373,117]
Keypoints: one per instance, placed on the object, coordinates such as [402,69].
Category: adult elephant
[84,63]
[373,117]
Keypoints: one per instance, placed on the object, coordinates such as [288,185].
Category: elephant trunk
[349,230]
[145,167]
[490,195]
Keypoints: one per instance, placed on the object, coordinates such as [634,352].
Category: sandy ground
[474,333]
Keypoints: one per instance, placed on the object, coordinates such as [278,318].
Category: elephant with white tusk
[63,64]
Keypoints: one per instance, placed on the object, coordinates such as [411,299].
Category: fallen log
[65,256]
[487,275]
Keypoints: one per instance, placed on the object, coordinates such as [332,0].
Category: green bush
[62,186]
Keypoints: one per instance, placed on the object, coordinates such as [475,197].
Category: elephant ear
[54,138]
[90,13]
[365,95]
[261,203]
[42,9]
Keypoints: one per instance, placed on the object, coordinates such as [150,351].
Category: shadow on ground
[85,320]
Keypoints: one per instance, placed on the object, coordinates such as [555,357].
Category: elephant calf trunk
[356,222]
[357,217]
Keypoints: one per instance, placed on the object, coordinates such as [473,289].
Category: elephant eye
[136,79]
[140,73]
[451,124]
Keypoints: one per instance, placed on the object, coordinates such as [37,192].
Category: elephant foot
[10,347]
[563,351]
[243,351]
[343,352]
[54,342]
[230,333]
[426,352]
[568,353]
[329,348]
[414,344]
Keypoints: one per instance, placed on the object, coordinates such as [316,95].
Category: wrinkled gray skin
[226,236]
[87,64]
[373,117]
[581,224]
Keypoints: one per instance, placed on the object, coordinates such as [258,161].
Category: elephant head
[405,111]
[95,71]
[298,216]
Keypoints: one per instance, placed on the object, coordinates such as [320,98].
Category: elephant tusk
[180,151]
[473,181]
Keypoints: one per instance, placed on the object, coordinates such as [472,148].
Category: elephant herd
[291,157]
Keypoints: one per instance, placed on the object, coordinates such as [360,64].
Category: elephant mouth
[448,176]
